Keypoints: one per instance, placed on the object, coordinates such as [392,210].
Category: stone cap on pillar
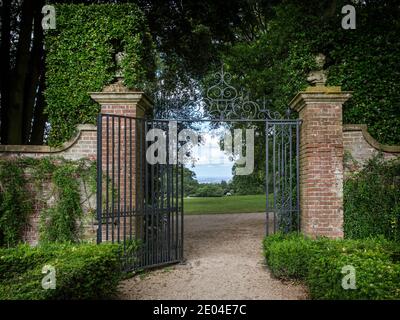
[319,94]
[116,94]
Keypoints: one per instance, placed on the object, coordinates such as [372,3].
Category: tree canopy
[268,46]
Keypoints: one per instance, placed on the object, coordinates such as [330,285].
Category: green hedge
[372,201]
[80,59]
[319,264]
[84,271]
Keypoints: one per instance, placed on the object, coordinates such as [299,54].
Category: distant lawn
[227,204]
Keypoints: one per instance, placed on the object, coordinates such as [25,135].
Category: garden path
[224,261]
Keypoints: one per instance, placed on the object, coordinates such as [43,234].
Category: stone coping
[320,95]
[46,149]
[371,141]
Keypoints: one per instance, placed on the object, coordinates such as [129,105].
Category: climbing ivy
[14,203]
[56,184]
[80,59]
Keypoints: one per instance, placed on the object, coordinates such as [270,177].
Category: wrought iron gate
[141,203]
[282,176]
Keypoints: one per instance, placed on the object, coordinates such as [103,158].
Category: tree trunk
[18,77]
[39,117]
[4,69]
[36,66]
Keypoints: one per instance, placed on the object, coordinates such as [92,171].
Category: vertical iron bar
[172,211]
[168,199]
[146,198]
[113,180]
[298,175]
[152,180]
[119,178]
[99,178]
[140,210]
[107,175]
[162,208]
[130,180]
[125,170]
[157,211]
[283,177]
[290,177]
[274,172]
[177,200]
[266,176]
[182,212]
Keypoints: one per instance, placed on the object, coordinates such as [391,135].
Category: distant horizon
[207,180]
[212,173]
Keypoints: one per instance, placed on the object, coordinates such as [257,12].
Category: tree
[276,63]
[188,35]
[190,182]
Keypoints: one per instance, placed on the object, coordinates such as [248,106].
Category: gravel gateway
[223,261]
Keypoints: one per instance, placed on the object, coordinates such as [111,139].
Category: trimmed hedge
[319,264]
[84,271]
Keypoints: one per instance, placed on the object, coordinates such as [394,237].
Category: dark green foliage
[190,182]
[60,222]
[365,60]
[209,190]
[14,203]
[249,184]
[319,263]
[83,271]
[372,200]
[376,276]
[288,258]
[80,59]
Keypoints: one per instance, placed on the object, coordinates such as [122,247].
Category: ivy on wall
[15,204]
[80,58]
[62,201]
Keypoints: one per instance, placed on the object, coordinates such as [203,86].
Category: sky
[211,161]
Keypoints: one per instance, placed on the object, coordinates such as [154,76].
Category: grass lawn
[231,204]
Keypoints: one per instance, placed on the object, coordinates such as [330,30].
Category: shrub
[376,276]
[209,190]
[83,271]
[319,263]
[372,201]
[288,255]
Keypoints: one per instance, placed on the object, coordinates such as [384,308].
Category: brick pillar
[321,160]
[122,159]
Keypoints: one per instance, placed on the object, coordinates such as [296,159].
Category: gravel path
[224,261]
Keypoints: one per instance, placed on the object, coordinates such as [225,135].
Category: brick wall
[115,99]
[43,197]
[361,146]
[82,145]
